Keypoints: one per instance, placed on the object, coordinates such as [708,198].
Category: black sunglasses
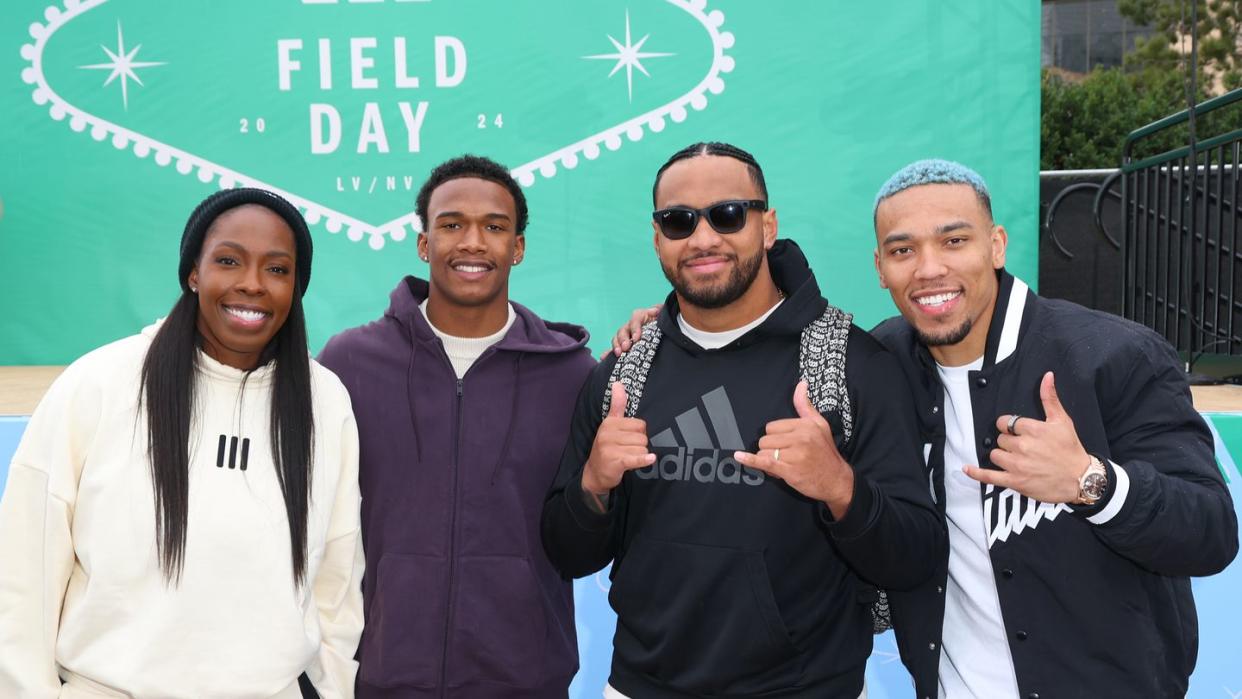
[679,222]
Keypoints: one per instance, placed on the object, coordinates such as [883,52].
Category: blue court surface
[1218,674]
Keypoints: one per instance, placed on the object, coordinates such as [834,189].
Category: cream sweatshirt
[82,597]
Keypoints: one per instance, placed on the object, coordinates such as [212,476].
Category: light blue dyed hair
[934,171]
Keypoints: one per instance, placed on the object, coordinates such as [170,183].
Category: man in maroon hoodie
[463,402]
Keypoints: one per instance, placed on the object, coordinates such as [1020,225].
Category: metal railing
[1182,265]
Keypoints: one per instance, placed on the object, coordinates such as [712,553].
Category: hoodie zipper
[456,467]
[452,588]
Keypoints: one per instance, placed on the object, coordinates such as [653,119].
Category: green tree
[1220,38]
[1084,123]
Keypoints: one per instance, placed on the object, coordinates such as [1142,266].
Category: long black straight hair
[167,390]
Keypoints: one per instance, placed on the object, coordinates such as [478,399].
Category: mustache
[698,256]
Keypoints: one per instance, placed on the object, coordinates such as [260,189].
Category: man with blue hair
[1077,480]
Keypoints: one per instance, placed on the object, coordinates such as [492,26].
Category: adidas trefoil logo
[696,456]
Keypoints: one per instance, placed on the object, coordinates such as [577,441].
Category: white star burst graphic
[630,56]
[123,65]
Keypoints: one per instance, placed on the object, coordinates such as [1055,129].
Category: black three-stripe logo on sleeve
[230,443]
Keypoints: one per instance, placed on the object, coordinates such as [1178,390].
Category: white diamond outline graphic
[207,171]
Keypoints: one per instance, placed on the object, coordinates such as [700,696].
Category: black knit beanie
[210,209]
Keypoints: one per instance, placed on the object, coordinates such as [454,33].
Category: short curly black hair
[471,166]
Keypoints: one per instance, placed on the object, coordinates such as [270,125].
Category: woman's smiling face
[245,283]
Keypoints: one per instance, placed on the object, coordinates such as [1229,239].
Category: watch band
[1093,484]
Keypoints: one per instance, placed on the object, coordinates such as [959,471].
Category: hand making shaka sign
[1041,459]
[801,451]
[620,445]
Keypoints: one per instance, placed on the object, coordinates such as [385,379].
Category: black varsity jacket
[1096,601]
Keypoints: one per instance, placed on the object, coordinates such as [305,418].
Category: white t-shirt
[707,340]
[463,352]
[975,660]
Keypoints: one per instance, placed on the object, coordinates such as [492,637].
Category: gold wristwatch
[1093,483]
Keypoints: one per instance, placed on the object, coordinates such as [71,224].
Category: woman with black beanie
[181,516]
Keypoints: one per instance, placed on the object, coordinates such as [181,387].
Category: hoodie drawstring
[409,394]
[513,408]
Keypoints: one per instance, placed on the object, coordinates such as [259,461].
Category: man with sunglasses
[749,467]
[1076,477]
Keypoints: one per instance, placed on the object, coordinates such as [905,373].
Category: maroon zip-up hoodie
[460,599]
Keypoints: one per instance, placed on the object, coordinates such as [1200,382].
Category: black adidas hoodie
[728,583]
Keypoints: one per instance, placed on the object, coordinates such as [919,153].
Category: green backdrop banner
[120,115]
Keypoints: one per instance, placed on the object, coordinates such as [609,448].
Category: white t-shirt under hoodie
[82,595]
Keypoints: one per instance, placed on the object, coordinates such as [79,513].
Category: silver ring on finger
[776,455]
[1013,421]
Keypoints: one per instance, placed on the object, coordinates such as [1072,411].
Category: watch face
[1093,486]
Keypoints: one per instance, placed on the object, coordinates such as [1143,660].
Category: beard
[949,337]
[717,295]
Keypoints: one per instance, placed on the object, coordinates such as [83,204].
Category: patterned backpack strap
[632,368]
[821,360]
[881,615]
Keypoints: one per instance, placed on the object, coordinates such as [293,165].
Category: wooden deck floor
[21,387]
